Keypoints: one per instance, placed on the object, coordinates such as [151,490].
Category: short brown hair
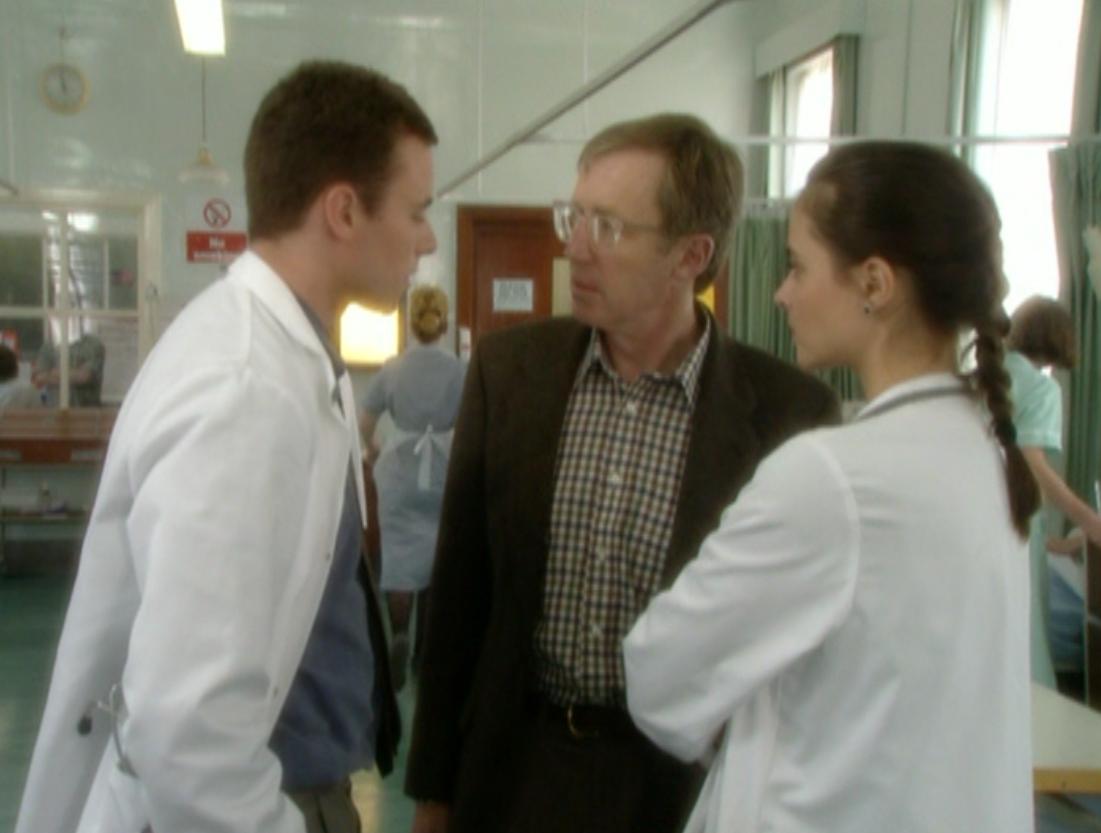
[704,179]
[325,122]
[427,312]
[1042,329]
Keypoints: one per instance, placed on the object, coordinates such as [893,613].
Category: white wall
[481,68]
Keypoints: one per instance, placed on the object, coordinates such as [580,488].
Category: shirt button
[615,478]
[595,631]
[600,555]
[631,409]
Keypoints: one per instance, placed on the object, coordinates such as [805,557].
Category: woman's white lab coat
[200,576]
[851,645]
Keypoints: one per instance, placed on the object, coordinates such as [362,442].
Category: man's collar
[687,374]
[323,336]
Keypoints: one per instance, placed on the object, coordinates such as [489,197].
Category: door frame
[468,214]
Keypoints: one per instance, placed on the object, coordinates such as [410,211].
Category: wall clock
[64,88]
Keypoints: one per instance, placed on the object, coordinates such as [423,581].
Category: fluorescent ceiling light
[202,26]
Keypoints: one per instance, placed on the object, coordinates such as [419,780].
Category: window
[801,109]
[368,338]
[1026,89]
[70,298]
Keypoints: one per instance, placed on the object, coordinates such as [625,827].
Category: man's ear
[696,254]
[339,204]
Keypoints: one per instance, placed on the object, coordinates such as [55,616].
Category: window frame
[31,212]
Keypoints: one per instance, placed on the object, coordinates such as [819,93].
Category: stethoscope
[909,398]
[115,707]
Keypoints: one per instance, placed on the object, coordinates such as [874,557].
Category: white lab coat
[851,644]
[201,573]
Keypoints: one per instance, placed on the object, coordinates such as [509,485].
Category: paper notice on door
[513,295]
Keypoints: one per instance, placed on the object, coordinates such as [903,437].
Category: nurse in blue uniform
[420,389]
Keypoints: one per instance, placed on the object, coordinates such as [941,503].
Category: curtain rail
[946,141]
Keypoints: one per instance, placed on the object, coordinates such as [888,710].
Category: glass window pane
[122,265]
[21,270]
[86,272]
[1027,88]
[119,340]
[1019,178]
[53,267]
[809,107]
[1037,96]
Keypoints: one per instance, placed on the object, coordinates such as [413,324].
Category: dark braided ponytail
[992,381]
[923,210]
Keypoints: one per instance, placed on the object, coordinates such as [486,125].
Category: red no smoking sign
[215,234]
[217,213]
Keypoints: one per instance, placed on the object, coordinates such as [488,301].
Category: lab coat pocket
[124,809]
[116,802]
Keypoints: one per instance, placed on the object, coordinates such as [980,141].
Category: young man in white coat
[230,511]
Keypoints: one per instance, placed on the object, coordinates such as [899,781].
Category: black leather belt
[586,722]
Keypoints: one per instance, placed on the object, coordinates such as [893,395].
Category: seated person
[14,392]
[86,359]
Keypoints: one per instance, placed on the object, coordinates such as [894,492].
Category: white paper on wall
[513,295]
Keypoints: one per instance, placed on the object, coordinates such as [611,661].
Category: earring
[867,309]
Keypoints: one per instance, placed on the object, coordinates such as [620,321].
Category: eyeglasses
[604,230]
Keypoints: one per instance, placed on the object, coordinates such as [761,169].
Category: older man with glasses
[590,458]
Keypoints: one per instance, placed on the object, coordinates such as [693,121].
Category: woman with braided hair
[851,645]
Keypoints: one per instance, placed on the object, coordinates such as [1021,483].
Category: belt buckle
[575,732]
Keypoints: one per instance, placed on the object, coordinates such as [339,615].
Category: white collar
[919,387]
[254,273]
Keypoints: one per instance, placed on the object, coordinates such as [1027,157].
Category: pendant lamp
[204,170]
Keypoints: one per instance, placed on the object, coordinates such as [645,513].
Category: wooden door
[506,269]
[505,265]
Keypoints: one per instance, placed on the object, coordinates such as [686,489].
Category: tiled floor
[31,612]
[32,609]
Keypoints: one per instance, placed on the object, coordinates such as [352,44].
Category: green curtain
[846,54]
[964,69]
[1076,193]
[757,265]
[1087,87]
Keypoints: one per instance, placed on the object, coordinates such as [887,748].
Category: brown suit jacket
[470,727]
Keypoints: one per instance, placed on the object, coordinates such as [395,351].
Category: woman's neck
[902,357]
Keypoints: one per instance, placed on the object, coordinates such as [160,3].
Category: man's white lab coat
[200,576]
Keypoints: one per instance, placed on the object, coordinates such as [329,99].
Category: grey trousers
[328,810]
